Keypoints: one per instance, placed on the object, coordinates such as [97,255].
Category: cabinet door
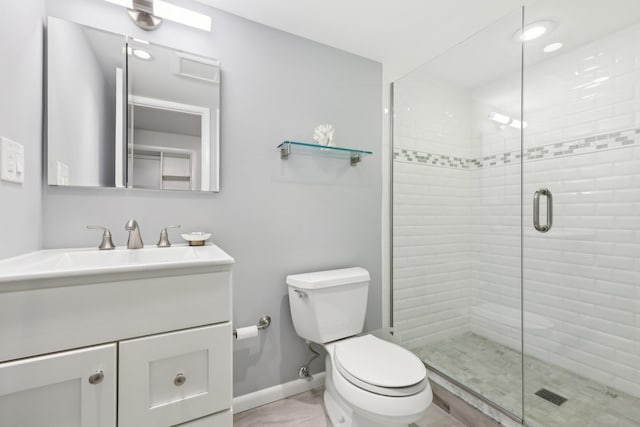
[70,389]
[173,378]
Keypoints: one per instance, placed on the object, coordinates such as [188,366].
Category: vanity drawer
[223,419]
[169,379]
[78,316]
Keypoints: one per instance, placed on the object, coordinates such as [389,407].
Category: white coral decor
[323,135]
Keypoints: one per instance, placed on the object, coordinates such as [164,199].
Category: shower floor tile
[494,371]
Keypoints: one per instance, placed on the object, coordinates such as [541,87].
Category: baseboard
[277,392]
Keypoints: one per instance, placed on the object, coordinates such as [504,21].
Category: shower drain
[550,396]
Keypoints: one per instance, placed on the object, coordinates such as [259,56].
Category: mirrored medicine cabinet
[126,113]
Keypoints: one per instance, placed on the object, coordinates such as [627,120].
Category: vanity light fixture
[499,118]
[518,124]
[506,120]
[593,83]
[148,14]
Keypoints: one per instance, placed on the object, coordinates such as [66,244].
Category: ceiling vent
[197,67]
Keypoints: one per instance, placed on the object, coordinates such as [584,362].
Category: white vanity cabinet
[148,346]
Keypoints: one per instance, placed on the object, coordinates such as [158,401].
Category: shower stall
[516,213]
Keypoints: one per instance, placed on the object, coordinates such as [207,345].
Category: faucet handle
[106,243]
[164,236]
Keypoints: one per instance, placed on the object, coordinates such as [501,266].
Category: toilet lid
[380,363]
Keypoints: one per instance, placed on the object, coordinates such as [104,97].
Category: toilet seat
[380,367]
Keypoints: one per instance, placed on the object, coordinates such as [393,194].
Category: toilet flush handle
[301,294]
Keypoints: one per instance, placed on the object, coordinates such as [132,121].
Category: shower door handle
[536,210]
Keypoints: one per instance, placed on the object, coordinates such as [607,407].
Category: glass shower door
[457,214]
[581,265]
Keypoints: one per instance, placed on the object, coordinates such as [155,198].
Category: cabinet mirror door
[124,112]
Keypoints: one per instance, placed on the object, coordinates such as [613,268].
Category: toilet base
[341,414]
[340,417]
[343,417]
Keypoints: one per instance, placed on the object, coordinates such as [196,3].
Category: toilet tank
[329,305]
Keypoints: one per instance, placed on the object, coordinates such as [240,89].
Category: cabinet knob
[96,378]
[179,379]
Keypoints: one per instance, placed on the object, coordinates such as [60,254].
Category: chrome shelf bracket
[285,150]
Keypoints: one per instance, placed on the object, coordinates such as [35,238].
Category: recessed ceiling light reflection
[534,31]
[140,54]
[601,79]
[553,47]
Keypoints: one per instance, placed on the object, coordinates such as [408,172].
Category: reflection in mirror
[168,148]
[173,116]
[123,112]
[85,95]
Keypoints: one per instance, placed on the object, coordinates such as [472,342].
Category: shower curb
[465,406]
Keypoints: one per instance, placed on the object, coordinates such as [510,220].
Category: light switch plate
[11,161]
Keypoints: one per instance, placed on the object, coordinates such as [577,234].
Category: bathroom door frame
[205,130]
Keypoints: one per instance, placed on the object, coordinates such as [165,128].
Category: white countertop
[68,263]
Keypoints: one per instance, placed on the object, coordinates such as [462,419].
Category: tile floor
[495,371]
[307,410]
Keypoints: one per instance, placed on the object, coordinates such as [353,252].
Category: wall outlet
[11,161]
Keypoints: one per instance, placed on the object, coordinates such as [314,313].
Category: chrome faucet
[135,240]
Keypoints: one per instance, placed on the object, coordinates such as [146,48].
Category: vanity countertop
[46,268]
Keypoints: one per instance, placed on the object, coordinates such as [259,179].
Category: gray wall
[274,217]
[20,120]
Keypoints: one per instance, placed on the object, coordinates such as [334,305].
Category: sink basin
[59,263]
[96,259]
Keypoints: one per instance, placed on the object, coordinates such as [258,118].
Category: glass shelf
[354,155]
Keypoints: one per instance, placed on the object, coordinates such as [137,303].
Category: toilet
[369,382]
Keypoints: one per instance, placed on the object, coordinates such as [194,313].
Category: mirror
[122,112]
[85,74]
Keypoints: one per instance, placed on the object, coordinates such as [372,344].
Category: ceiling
[495,52]
[400,34]
[167,121]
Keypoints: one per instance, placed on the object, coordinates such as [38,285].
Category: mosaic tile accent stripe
[607,141]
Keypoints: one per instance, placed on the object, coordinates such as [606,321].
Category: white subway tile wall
[457,212]
[432,252]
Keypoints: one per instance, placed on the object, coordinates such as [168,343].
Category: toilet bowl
[369,381]
[374,383]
